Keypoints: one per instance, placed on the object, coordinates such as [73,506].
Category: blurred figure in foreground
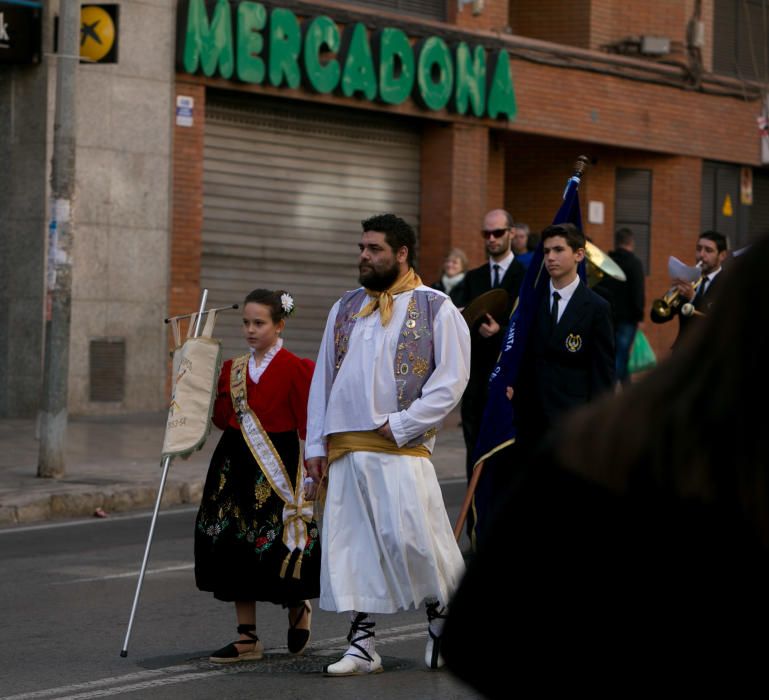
[638,542]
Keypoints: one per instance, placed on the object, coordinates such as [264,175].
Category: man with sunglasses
[501,271]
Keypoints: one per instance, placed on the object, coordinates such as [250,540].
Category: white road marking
[173,675]
[127,574]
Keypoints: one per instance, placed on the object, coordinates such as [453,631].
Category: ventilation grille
[107,365]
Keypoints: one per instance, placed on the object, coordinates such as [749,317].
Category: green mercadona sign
[249,42]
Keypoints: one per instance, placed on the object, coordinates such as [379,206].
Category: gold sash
[339,444]
[296,511]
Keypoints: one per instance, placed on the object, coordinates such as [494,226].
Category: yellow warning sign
[97,32]
[727,209]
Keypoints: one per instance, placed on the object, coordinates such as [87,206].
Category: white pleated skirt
[387,542]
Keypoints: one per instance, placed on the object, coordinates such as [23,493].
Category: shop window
[431,9]
[741,38]
[633,208]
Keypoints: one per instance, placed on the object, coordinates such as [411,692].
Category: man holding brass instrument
[687,300]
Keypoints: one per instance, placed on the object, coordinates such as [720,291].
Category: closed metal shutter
[284,191]
[740,38]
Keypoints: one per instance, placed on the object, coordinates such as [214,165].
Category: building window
[431,9]
[740,38]
[633,208]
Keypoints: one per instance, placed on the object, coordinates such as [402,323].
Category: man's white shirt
[364,396]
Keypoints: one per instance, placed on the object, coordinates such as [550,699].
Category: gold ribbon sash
[296,511]
[339,444]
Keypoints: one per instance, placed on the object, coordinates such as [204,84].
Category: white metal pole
[166,465]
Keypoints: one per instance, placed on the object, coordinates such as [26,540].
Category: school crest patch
[573,342]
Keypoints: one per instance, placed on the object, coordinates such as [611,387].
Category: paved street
[67,589]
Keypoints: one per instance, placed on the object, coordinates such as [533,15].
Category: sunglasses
[497,233]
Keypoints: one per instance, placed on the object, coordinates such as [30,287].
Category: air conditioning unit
[655,45]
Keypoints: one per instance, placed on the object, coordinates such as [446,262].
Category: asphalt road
[65,597]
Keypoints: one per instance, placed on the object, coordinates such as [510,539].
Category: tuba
[672,301]
[598,264]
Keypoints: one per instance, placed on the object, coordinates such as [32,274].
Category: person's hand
[310,489]
[489,327]
[384,431]
[685,289]
[316,468]
[509,393]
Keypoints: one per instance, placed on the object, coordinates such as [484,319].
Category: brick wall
[595,23]
[493,16]
[603,109]
[611,21]
[187,210]
[455,185]
[552,20]
[495,181]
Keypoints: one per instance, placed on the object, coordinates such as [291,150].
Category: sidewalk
[113,463]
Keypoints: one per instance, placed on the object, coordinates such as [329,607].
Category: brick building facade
[582,85]
[198,168]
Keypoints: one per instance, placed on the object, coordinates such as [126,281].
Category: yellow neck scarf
[384,300]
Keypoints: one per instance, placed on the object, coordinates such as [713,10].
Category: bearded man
[394,361]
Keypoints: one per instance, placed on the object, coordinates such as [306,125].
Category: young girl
[254,534]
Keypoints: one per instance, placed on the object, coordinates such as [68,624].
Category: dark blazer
[626,298]
[478,281]
[701,303]
[565,366]
[484,351]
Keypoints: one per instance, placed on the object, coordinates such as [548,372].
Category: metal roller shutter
[284,192]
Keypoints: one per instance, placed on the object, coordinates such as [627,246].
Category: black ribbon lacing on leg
[434,612]
[359,631]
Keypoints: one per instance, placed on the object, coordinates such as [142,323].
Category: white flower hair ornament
[287,303]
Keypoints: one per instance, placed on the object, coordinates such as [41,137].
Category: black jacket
[565,366]
[626,298]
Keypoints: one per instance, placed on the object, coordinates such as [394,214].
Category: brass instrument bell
[599,264]
[671,301]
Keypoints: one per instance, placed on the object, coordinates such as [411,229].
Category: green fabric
[642,356]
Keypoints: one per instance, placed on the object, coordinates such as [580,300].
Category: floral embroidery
[262,491]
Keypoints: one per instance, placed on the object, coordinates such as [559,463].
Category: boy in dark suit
[569,356]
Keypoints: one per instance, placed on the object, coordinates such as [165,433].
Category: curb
[114,499]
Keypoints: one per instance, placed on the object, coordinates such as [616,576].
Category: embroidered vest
[415,354]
